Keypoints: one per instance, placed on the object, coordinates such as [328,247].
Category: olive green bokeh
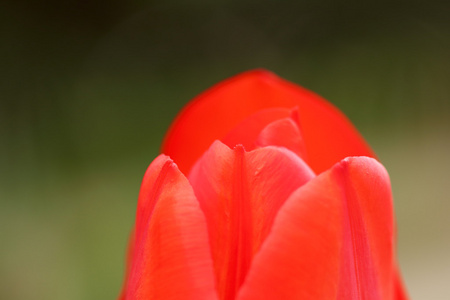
[89,88]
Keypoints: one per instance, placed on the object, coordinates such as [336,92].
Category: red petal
[240,193]
[328,135]
[285,133]
[171,255]
[246,132]
[369,231]
[333,239]
[399,288]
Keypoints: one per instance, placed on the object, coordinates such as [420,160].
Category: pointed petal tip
[240,194]
[366,164]
[170,228]
[359,161]
[239,148]
[354,189]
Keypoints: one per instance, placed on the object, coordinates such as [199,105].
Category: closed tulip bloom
[264,191]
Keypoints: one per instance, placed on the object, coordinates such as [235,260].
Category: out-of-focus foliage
[88,89]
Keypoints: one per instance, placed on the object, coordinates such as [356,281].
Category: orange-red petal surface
[240,193]
[328,135]
[368,231]
[332,239]
[170,257]
[399,287]
[246,132]
[284,133]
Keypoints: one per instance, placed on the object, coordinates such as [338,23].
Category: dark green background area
[88,89]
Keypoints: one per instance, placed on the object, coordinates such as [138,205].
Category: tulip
[264,191]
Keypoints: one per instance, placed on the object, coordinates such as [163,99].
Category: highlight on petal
[240,194]
[170,257]
[332,239]
[328,135]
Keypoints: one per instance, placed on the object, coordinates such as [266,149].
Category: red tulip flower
[264,191]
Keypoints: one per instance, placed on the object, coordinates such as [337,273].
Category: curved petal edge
[170,252]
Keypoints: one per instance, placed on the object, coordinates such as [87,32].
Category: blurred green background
[88,89]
